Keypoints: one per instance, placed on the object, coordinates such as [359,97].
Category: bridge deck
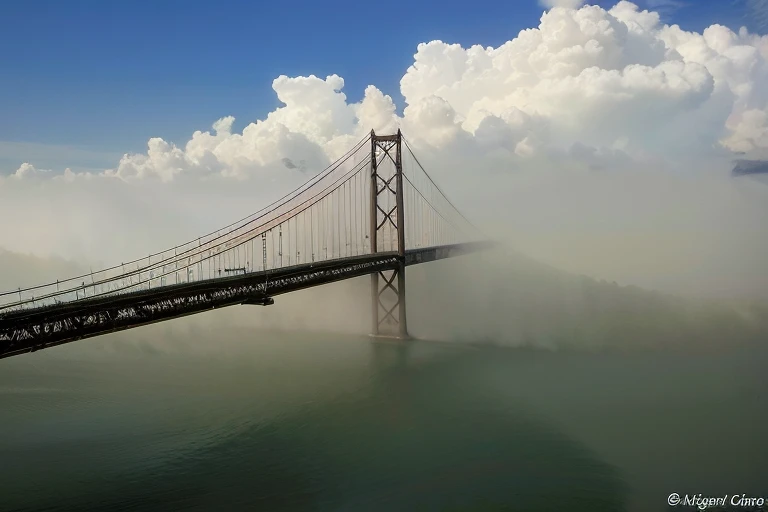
[36,328]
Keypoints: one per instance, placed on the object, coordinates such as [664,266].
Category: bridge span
[369,213]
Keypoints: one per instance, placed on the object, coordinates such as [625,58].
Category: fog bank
[498,297]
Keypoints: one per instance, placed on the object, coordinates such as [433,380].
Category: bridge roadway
[33,329]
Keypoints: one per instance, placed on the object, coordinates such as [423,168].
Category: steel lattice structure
[365,214]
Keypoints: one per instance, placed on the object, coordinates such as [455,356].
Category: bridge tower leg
[387,148]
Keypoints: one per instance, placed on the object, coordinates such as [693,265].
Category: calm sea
[272,421]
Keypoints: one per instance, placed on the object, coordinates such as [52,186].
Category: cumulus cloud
[602,78]
[601,140]
[27,170]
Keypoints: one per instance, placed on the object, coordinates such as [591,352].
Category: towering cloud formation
[600,140]
[598,78]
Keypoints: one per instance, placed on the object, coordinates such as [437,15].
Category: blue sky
[87,80]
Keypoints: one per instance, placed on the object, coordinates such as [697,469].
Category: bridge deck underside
[34,329]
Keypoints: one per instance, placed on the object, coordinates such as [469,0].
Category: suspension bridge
[370,212]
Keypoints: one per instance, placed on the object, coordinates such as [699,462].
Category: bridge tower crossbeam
[388,283]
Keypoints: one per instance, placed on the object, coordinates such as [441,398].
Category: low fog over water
[498,297]
[612,398]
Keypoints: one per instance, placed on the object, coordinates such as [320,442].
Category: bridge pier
[388,283]
[388,299]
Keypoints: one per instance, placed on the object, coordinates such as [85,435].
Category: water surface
[274,421]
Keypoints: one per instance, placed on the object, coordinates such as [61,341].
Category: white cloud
[615,104]
[26,170]
[52,155]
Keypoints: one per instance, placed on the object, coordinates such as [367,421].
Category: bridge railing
[326,218]
[265,240]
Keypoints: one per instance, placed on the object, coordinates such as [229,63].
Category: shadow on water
[427,433]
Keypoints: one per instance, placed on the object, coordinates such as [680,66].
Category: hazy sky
[596,138]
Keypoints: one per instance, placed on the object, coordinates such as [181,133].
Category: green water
[249,421]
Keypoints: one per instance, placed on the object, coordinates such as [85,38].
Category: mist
[683,230]
[498,298]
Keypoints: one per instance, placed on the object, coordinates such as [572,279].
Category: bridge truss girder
[31,330]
